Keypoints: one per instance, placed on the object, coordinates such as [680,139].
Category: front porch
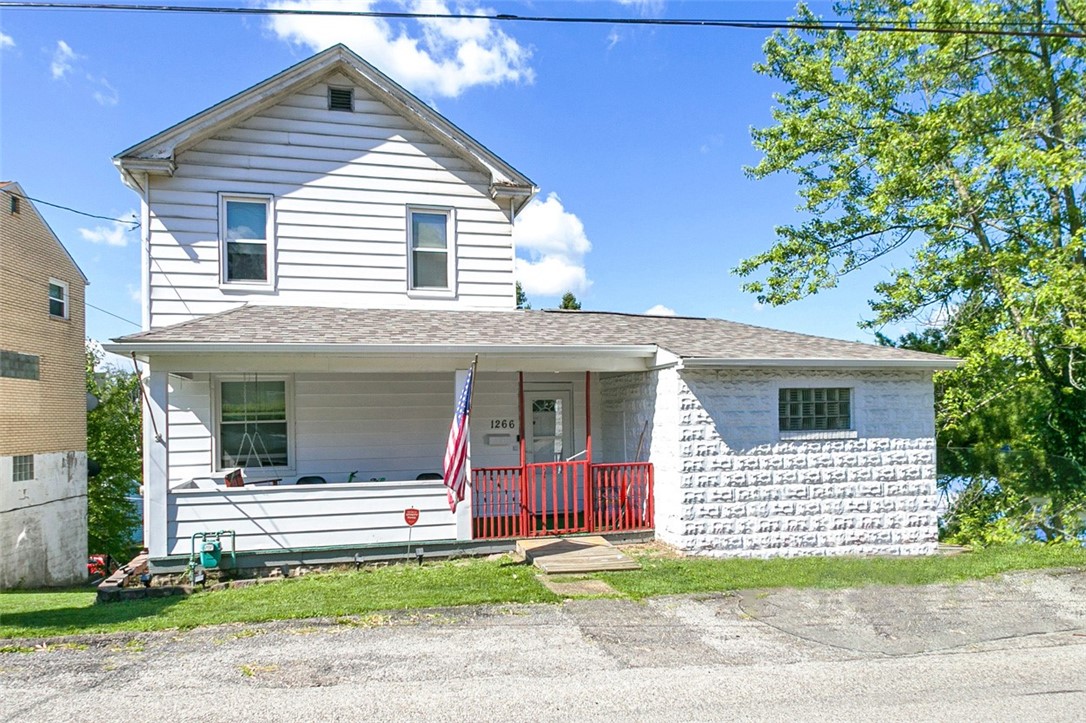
[372,440]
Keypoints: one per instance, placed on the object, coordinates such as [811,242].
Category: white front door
[549,425]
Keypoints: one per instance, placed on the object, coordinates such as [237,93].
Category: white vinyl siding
[341,182]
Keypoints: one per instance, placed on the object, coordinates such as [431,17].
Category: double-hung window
[813,409]
[431,240]
[58,299]
[254,423]
[247,240]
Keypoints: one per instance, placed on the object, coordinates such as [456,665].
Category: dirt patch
[583,587]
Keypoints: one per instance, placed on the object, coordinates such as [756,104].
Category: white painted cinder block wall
[729,484]
[43,522]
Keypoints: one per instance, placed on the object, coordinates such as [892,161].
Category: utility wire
[85,302]
[850,26]
[130,222]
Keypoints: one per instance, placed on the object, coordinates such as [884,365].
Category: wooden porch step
[574,555]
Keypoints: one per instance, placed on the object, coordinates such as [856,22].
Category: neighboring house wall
[747,491]
[340,184]
[43,520]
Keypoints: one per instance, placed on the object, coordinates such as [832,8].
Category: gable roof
[697,341]
[15,189]
[158,154]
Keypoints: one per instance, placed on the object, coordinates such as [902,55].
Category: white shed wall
[341,183]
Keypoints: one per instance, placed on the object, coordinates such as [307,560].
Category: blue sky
[636,136]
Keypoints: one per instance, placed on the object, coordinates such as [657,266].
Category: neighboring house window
[814,409]
[19,366]
[341,99]
[22,468]
[254,423]
[15,204]
[432,243]
[58,299]
[246,233]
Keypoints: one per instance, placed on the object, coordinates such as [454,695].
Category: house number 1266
[502,424]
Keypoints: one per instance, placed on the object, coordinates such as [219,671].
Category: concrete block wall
[730,483]
[749,490]
[43,523]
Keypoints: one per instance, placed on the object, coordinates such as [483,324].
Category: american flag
[456,449]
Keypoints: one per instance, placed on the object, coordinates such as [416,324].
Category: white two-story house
[323,257]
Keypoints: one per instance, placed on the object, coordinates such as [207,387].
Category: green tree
[114,445]
[960,160]
[522,298]
[569,301]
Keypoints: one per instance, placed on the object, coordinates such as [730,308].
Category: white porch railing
[305,516]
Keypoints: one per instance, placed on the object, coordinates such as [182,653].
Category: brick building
[43,421]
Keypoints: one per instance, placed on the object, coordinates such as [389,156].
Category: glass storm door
[549,422]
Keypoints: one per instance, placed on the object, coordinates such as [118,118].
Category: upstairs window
[815,409]
[246,239]
[14,204]
[58,299]
[431,241]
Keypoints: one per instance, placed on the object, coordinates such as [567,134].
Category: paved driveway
[1001,649]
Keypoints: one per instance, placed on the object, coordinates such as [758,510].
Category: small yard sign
[410,516]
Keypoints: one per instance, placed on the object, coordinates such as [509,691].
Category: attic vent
[341,99]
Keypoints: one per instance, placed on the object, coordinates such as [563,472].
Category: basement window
[341,99]
[22,468]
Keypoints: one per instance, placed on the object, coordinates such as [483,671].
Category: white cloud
[613,38]
[660,310]
[6,41]
[104,93]
[134,293]
[645,8]
[63,58]
[440,58]
[555,244]
[114,234]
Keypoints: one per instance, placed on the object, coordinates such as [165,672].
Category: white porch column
[463,509]
[156,480]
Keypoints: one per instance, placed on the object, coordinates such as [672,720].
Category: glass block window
[19,366]
[815,409]
[22,468]
[253,425]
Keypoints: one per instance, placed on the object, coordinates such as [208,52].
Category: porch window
[245,230]
[254,423]
[431,258]
[815,409]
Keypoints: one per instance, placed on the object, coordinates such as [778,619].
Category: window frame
[216,423]
[431,292]
[66,300]
[852,432]
[15,460]
[269,283]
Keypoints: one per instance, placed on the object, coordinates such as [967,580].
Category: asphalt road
[1013,648]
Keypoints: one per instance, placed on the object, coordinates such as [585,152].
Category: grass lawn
[469,582]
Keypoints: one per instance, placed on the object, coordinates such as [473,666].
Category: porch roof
[697,341]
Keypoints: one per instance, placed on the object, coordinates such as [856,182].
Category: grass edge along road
[46,613]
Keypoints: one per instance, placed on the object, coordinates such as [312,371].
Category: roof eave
[119,346]
[934,364]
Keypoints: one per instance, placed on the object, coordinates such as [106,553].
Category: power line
[115,316]
[133,223]
[927,27]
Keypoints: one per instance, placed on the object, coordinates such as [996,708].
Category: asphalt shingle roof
[687,337]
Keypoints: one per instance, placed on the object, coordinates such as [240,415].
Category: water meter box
[210,553]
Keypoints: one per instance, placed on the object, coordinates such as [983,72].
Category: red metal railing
[622,497]
[561,498]
[496,508]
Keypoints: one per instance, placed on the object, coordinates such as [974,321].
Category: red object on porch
[554,498]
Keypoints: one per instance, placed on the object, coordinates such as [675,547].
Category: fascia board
[824,363]
[152,348]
